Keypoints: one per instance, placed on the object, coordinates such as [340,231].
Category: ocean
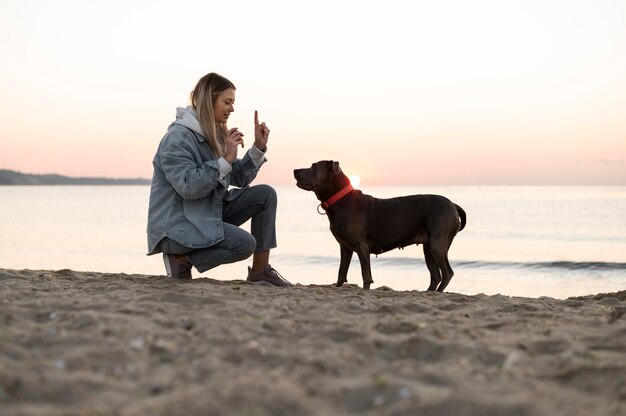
[519,241]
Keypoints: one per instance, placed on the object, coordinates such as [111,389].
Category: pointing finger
[256,118]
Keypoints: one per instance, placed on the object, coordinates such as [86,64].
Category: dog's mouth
[305,186]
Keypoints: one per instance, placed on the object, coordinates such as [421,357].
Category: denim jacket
[189,186]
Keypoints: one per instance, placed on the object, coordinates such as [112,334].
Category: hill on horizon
[11,177]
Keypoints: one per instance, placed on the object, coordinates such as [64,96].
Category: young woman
[194,217]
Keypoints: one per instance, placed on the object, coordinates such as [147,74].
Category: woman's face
[223,105]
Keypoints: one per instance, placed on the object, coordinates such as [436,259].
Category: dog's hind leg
[440,254]
[446,271]
[346,256]
[366,271]
[447,276]
[435,274]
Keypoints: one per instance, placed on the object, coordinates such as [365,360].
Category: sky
[399,92]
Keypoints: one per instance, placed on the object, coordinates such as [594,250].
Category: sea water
[519,241]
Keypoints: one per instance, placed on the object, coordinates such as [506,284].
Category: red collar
[345,191]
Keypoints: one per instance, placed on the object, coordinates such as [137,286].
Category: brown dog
[366,225]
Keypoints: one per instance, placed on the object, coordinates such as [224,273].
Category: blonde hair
[202,99]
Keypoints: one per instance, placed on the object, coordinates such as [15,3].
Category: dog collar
[345,191]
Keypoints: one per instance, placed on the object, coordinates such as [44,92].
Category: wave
[567,265]
[463,264]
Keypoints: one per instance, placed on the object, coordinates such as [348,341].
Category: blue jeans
[257,202]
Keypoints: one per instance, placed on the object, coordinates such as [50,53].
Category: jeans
[257,202]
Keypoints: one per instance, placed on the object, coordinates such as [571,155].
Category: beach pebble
[511,360]
[404,393]
[136,343]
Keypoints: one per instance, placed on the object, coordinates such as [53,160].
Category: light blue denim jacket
[189,186]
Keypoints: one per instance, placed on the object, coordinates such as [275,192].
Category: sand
[86,343]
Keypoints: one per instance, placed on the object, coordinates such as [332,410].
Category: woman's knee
[238,242]
[246,246]
[268,194]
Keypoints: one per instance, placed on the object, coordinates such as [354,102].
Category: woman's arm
[245,170]
[181,164]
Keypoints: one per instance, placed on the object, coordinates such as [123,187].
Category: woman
[193,217]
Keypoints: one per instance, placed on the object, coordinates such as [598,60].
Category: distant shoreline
[10,177]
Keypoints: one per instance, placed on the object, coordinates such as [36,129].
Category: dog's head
[324,178]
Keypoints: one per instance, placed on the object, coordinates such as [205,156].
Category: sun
[355,180]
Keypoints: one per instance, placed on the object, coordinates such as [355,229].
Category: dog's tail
[462,216]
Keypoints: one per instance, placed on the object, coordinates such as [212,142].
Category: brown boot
[176,268]
[268,275]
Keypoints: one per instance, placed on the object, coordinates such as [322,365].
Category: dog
[366,225]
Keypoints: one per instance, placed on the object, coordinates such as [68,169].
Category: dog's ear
[336,168]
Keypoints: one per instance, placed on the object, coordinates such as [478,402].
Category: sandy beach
[86,343]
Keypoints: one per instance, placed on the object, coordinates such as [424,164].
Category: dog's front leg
[346,256]
[363,252]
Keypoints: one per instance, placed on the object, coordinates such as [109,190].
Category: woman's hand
[233,140]
[261,133]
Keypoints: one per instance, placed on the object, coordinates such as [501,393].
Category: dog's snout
[303,178]
[301,173]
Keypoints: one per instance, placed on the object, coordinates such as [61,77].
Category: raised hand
[261,133]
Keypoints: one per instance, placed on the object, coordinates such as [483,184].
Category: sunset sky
[400,92]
